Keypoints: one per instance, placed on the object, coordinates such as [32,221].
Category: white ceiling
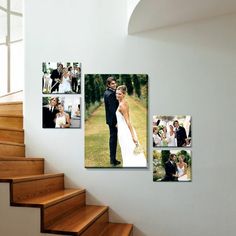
[152,14]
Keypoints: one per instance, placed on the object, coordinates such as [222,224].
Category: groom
[111,104]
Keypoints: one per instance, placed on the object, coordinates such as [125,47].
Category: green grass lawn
[97,134]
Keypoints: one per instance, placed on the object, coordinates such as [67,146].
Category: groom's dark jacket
[111,104]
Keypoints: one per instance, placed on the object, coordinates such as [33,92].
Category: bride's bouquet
[138,149]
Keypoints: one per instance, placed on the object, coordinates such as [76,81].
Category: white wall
[192,71]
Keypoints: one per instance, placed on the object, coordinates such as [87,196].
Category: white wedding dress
[65,85]
[60,120]
[180,172]
[127,145]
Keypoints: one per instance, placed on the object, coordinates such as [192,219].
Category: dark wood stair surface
[63,210]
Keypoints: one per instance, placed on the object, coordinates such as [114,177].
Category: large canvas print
[174,165]
[61,77]
[172,131]
[116,120]
[61,112]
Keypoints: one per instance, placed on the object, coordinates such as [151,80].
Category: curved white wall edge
[154,14]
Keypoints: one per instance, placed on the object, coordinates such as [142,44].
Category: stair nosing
[12,143]
[9,103]
[11,115]
[12,129]
[7,158]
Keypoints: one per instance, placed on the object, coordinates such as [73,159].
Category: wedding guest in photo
[74,77]
[49,113]
[164,141]
[47,82]
[182,169]
[62,119]
[156,138]
[56,77]
[171,137]
[77,112]
[180,134]
[171,169]
[65,85]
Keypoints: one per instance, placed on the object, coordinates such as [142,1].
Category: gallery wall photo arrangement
[116,109]
[172,131]
[173,165]
[61,78]
[61,112]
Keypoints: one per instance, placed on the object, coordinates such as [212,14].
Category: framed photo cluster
[172,142]
[61,89]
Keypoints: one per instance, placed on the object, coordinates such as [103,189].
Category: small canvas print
[61,77]
[116,120]
[172,131]
[173,165]
[61,112]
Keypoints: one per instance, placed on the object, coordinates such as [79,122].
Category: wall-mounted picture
[61,112]
[172,131]
[172,165]
[61,77]
[116,108]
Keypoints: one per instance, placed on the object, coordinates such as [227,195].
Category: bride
[62,119]
[126,134]
[65,85]
[182,169]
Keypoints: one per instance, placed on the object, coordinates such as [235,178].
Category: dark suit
[181,136]
[55,75]
[111,105]
[170,171]
[48,117]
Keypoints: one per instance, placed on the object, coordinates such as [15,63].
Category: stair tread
[11,129]
[117,229]
[50,198]
[10,103]
[78,220]
[10,115]
[30,177]
[12,143]
[7,158]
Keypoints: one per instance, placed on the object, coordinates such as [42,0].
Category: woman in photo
[127,136]
[171,137]
[182,169]
[65,85]
[62,118]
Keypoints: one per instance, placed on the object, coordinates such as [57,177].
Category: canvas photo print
[116,109]
[61,112]
[61,77]
[172,131]
[173,165]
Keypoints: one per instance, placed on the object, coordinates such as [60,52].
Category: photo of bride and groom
[172,165]
[61,78]
[172,131]
[61,112]
[116,113]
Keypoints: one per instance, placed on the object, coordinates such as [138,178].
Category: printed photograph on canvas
[172,131]
[61,112]
[172,165]
[61,77]
[116,108]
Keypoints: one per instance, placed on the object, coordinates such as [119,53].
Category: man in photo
[180,134]
[111,105]
[56,78]
[171,169]
[49,113]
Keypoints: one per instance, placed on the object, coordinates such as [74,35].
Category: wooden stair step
[12,149]
[11,108]
[12,121]
[10,134]
[50,199]
[78,221]
[116,229]
[34,186]
[19,166]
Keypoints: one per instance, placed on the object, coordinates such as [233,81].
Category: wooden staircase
[63,211]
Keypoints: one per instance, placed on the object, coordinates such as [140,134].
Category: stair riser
[34,188]
[11,122]
[17,168]
[50,214]
[12,136]
[11,109]
[97,227]
[12,150]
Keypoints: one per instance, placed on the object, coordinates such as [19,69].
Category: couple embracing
[120,127]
